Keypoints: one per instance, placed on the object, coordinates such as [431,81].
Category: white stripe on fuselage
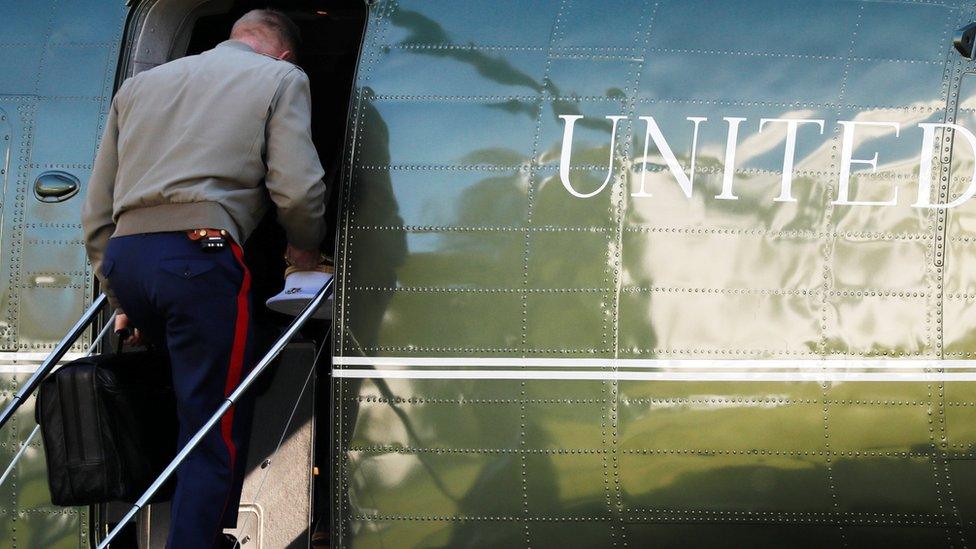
[27,363]
[610,369]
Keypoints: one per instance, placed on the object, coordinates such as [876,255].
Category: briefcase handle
[121,336]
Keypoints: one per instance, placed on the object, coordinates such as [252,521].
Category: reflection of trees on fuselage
[482,497]
[496,69]
[775,485]
[427,31]
[371,195]
[569,106]
[372,198]
[795,487]
[513,106]
[424,30]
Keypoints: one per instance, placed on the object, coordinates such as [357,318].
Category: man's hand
[305,260]
[122,323]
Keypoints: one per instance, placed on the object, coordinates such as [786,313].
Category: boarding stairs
[142,504]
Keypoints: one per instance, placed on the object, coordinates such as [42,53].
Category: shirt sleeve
[294,176]
[96,213]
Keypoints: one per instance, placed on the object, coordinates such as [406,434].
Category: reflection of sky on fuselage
[892,83]
[967,93]
[703,58]
[471,198]
[420,243]
[457,72]
[724,77]
[780,26]
[599,77]
[597,23]
[460,130]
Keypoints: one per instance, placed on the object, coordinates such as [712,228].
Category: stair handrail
[52,359]
[229,401]
[37,428]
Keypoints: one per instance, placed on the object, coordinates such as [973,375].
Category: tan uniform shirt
[205,141]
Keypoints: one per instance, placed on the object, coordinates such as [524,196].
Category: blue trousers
[198,305]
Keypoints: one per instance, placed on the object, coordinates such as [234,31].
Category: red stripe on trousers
[236,366]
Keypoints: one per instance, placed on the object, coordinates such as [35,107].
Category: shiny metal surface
[460,240]
[52,360]
[57,72]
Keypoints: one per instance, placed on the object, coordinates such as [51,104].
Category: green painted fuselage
[676,273]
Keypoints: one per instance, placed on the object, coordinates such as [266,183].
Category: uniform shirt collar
[235,44]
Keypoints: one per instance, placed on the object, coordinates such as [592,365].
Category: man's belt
[211,240]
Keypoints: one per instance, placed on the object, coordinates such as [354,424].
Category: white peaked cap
[300,288]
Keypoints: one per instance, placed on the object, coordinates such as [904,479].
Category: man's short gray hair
[271,20]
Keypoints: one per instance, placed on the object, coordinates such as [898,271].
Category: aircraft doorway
[331,35]
[332,30]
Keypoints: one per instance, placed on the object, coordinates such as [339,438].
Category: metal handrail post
[229,401]
[52,359]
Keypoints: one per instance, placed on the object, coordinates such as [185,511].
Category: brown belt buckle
[211,240]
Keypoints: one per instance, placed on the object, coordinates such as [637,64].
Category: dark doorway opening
[332,33]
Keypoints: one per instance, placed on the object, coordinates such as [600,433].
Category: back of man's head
[268,31]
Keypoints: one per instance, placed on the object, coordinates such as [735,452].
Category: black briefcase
[109,426]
